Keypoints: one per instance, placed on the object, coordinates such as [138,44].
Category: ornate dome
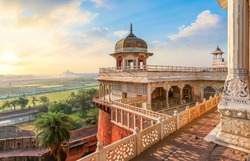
[131,44]
[217,51]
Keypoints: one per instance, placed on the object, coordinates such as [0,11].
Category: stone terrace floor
[188,144]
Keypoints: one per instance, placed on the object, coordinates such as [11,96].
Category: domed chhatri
[218,60]
[217,51]
[131,43]
[131,52]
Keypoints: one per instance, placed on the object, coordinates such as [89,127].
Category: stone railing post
[187,108]
[198,108]
[99,149]
[137,141]
[176,113]
[159,120]
[204,100]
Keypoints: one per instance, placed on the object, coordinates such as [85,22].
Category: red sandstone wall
[82,147]
[83,132]
[119,133]
[108,132]
[104,127]
[17,143]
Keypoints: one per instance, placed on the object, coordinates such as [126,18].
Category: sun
[9,57]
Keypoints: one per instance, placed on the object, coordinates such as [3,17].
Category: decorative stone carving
[122,152]
[149,138]
[235,126]
[169,126]
[236,88]
[237,71]
[183,118]
[233,139]
[233,113]
[193,113]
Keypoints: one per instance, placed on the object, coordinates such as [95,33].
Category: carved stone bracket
[234,113]
[238,71]
[236,87]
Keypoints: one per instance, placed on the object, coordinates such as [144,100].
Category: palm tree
[53,129]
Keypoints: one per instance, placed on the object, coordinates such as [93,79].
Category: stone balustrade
[134,100]
[129,119]
[139,141]
[160,68]
[140,110]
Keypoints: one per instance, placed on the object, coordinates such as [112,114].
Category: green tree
[92,92]
[60,106]
[84,99]
[34,100]
[22,101]
[52,130]
[44,100]
[5,104]
[71,101]
[14,103]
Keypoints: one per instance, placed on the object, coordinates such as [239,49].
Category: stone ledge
[211,137]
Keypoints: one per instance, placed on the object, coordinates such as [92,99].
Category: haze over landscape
[49,37]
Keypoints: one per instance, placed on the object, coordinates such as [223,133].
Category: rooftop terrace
[154,73]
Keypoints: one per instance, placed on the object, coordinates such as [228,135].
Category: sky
[52,36]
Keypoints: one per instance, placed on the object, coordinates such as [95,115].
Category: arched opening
[187,94]
[119,62]
[208,91]
[100,91]
[130,64]
[141,62]
[221,89]
[124,95]
[158,98]
[174,96]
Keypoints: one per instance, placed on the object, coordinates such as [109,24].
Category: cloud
[100,3]
[204,22]
[52,41]
[192,44]
[98,32]
[43,14]
[121,33]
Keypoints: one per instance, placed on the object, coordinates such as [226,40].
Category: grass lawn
[77,118]
[50,86]
[27,125]
[53,97]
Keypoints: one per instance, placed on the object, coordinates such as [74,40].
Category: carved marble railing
[129,119]
[148,137]
[101,101]
[133,100]
[139,141]
[140,110]
[160,68]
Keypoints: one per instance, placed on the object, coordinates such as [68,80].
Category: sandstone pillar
[235,104]
[149,97]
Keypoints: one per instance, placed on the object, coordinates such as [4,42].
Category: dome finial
[131,28]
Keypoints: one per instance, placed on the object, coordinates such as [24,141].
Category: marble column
[235,104]
[181,93]
[167,88]
[149,97]
[100,90]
